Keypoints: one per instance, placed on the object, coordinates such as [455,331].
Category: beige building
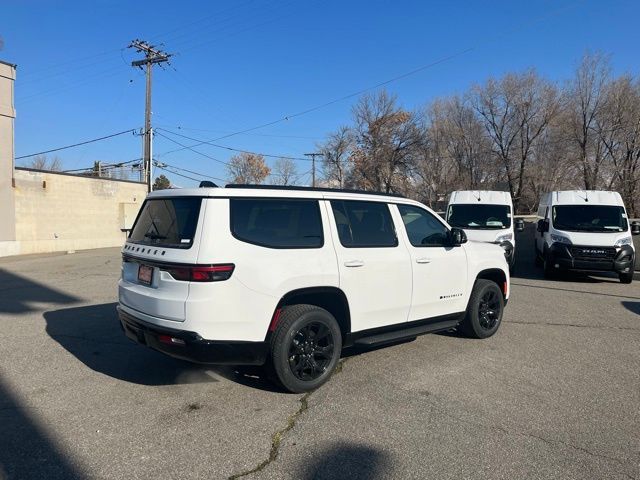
[48,211]
[7,116]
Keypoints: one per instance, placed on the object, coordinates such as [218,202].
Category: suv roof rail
[310,189]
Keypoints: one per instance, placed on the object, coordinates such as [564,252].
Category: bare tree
[461,137]
[516,110]
[550,167]
[585,98]
[619,129]
[385,138]
[248,168]
[41,162]
[336,156]
[284,172]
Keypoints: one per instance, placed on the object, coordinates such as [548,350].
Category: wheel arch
[331,299]
[496,275]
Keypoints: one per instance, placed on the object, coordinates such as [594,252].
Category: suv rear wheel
[305,348]
[484,311]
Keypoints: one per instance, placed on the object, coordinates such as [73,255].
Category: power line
[204,142]
[160,164]
[131,130]
[182,127]
[393,79]
[104,167]
[179,174]
[185,147]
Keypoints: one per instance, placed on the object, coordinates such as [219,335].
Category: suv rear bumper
[621,262]
[191,346]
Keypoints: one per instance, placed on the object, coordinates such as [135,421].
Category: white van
[485,216]
[288,276]
[584,230]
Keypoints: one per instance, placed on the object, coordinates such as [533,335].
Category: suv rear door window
[364,224]
[277,223]
[167,222]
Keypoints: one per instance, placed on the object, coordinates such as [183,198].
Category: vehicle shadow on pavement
[633,307]
[93,335]
[344,460]
[19,294]
[26,451]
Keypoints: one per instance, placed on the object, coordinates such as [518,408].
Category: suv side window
[277,223]
[423,229]
[364,224]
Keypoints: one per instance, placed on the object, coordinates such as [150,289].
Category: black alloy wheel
[305,347]
[489,309]
[310,351]
[484,310]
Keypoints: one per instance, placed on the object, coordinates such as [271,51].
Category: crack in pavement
[277,437]
[576,325]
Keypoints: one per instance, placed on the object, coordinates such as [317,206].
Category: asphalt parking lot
[554,394]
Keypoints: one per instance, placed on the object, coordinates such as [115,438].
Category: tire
[626,277]
[299,361]
[537,259]
[484,311]
[549,272]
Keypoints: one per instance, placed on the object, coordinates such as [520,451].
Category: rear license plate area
[145,274]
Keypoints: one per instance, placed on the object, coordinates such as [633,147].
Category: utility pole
[313,166]
[152,55]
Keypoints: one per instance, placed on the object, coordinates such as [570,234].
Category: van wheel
[626,277]
[484,311]
[305,348]
[549,272]
[537,259]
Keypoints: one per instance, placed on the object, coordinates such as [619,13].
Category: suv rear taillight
[201,273]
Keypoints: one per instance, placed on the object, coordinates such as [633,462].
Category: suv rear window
[277,223]
[167,222]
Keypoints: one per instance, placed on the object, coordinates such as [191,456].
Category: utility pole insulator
[152,56]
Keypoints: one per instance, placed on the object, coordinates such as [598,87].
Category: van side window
[423,229]
[364,224]
[277,223]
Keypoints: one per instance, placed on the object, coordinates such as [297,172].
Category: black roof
[310,189]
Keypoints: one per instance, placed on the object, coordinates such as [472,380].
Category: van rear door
[164,240]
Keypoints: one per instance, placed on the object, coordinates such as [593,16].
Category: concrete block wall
[60,212]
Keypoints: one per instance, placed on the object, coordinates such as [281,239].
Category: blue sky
[243,63]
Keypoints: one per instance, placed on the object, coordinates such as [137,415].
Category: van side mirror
[635,228]
[457,237]
[519,223]
[543,226]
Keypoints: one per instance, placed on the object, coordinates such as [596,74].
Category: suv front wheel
[305,347]
[484,312]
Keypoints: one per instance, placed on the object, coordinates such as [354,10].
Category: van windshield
[167,222]
[481,216]
[589,218]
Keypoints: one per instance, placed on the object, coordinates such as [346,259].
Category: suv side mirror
[635,228]
[543,226]
[519,223]
[457,237]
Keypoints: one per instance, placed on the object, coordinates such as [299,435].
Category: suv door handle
[354,263]
[423,260]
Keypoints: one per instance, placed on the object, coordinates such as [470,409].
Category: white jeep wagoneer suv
[289,276]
